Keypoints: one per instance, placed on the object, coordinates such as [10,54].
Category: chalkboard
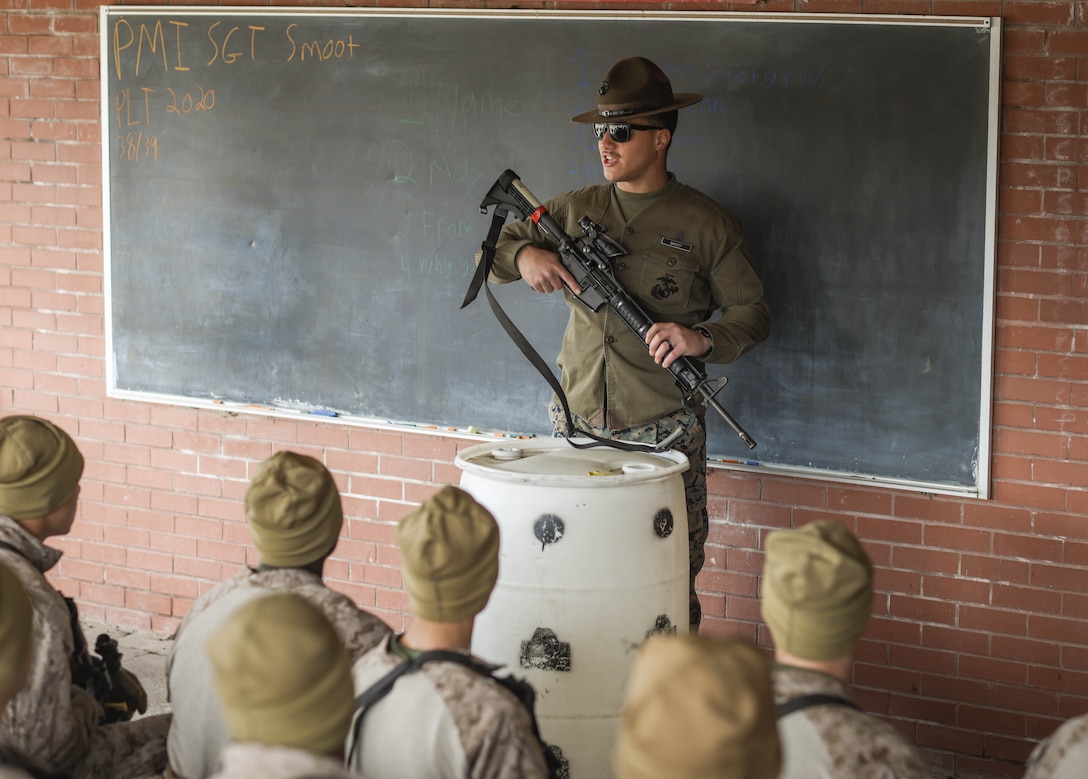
[292,200]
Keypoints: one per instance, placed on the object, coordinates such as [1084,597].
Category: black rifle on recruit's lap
[589,259]
[98,674]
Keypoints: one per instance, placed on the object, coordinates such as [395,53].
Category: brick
[208,570]
[1024,147]
[907,582]
[1063,524]
[894,630]
[922,609]
[1059,577]
[415,444]
[1059,679]
[404,468]
[884,678]
[375,441]
[147,560]
[1041,497]
[148,602]
[994,569]
[1058,629]
[1026,650]
[1009,748]
[996,517]
[993,620]
[1070,706]
[1068,42]
[378,487]
[175,585]
[1027,547]
[924,709]
[795,493]
[1026,598]
[931,509]
[1034,701]
[746,513]
[728,583]
[926,560]
[958,538]
[956,589]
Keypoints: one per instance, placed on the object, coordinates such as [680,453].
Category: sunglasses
[620,131]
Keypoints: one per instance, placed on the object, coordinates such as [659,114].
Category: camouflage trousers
[691,443]
[126,750]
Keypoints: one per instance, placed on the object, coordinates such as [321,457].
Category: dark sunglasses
[620,131]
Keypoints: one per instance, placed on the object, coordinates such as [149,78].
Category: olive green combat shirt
[686,259]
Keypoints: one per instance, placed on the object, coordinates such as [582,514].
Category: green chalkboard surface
[292,201]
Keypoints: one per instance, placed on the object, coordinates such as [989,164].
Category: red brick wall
[979,645]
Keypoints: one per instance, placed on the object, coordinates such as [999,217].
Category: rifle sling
[520,689]
[17,550]
[479,279]
[815,699]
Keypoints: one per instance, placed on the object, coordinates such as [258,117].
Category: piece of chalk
[323,412]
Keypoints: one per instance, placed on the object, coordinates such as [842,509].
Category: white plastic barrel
[593,558]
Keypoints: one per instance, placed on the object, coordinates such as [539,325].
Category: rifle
[96,674]
[589,260]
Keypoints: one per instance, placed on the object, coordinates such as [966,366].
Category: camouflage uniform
[197,733]
[836,742]
[691,443]
[1063,755]
[12,764]
[442,722]
[686,261]
[261,761]
[46,721]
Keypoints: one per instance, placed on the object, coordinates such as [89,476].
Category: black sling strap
[479,280]
[17,550]
[519,688]
[815,699]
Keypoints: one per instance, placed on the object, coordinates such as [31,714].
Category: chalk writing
[125,36]
[333,48]
[454,105]
[440,227]
[138,146]
[230,56]
[188,104]
[123,108]
[434,265]
[764,77]
[460,170]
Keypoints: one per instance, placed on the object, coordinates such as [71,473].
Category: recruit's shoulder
[1062,754]
[857,743]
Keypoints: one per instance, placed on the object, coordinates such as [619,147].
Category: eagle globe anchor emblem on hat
[633,88]
[591,563]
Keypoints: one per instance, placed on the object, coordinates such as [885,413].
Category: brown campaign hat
[633,88]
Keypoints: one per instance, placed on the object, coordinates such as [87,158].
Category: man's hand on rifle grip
[542,270]
[668,341]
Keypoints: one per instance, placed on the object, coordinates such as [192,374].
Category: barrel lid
[556,458]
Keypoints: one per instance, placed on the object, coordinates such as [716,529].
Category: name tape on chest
[684,247]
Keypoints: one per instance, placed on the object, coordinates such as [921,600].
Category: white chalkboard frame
[978,487]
